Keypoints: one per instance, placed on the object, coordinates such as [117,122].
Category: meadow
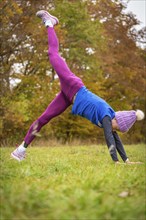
[73,182]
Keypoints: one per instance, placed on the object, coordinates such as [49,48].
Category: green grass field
[63,183]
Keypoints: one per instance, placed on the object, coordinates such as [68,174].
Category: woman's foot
[20,152]
[17,155]
[48,19]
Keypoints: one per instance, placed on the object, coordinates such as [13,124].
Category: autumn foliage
[99,42]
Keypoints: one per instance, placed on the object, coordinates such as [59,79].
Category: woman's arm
[120,147]
[114,143]
[110,140]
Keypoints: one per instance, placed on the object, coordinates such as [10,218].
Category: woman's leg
[70,83]
[56,107]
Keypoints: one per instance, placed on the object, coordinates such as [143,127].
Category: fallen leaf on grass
[124,194]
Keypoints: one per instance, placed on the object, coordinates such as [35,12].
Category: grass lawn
[64,183]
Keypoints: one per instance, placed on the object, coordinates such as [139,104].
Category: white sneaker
[17,155]
[45,16]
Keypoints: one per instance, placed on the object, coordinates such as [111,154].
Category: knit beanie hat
[126,119]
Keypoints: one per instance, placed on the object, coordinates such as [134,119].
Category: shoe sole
[14,157]
[56,19]
[51,16]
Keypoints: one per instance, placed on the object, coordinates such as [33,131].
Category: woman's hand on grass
[130,162]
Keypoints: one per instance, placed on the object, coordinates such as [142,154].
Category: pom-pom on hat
[126,119]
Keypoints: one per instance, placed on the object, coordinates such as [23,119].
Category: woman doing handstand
[85,103]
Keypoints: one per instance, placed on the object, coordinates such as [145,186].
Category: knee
[51,56]
[50,52]
[42,121]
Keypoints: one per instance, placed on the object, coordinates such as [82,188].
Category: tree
[98,41]
[123,62]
